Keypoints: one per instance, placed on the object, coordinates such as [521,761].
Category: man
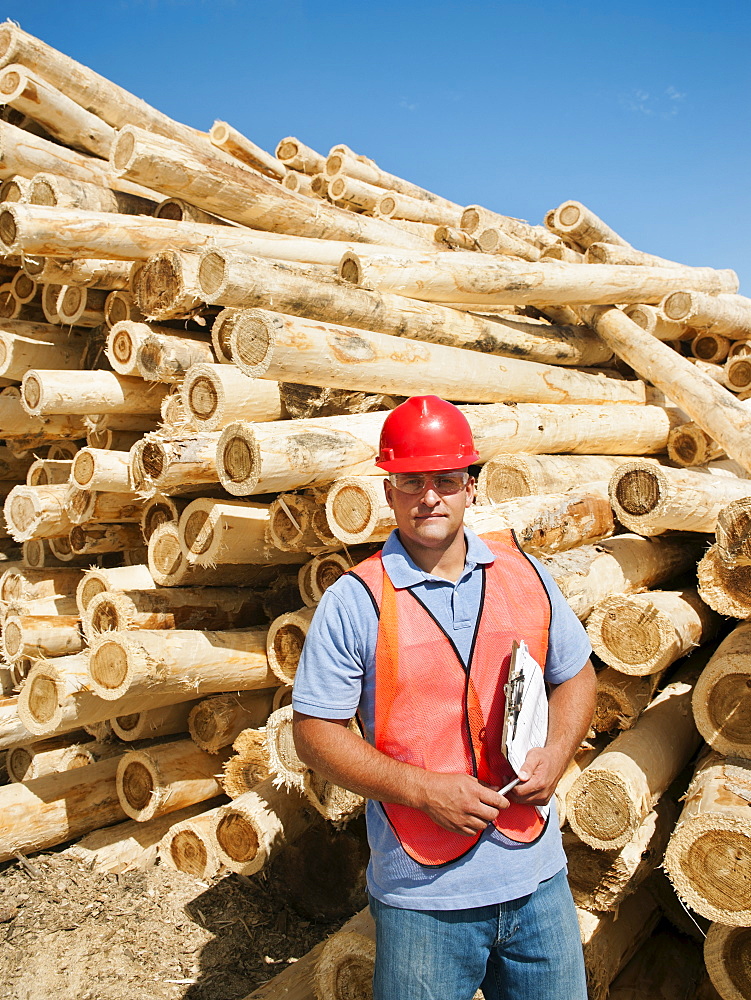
[467,886]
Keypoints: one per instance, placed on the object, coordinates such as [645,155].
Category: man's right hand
[460,803]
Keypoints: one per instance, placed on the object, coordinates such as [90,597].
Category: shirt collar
[404,572]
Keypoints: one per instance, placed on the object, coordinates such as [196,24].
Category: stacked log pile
[199,342]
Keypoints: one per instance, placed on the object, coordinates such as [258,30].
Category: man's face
[432,516]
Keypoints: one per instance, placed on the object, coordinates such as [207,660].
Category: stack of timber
[199,343]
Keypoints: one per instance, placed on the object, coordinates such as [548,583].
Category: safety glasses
[444,483]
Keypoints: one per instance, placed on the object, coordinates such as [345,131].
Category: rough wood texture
[40,636]
[284,642]
[601,880]
[511,282]
[727,954]
[50,392]
[644,633]
[216,722]
[621,565]
[508,476]
[152,723]
[610,939]
[340,162]
[229,140]
[166,777]
[103,98]
[237,193]
[253,828]
[173,607]
[129,846]
[178,663]
[621,698]
[689,445]
[610,799]
[584,755]
[733,533]
[233,531]
[653,499]
[164,462]
[37,512]
[728,314]
[56,808]
[578,223]
[722,696]
[188,846]
[287,348]
[709,855]
[170,568]
[217,395]
[241,281]
[714,409]
[725,588]
[61,192]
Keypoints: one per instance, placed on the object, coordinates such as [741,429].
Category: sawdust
[67,933]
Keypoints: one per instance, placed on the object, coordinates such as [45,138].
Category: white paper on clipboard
[525,724]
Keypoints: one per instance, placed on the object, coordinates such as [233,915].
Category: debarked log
[130,846]
[722,696]
[292,349]
[232,279]
[601,880]
[708,858]
[182,663]
[50,810]
[49,391]
[612,796]
[253,828]
[188,846]
[704,401]
[725,588]
[216,395]
[514,282]
[644,633]
[166,777]
[173,607]
[652,499]
[216,722]
[624,564]
[508,476]
[727,955]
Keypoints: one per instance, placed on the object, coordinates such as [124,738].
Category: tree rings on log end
[726,589]
[727,955]
[109,668]
[599,810]
[237,838]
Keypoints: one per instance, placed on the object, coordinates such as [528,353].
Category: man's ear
[387,489]
[470,492]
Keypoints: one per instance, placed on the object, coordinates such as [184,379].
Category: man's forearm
[332,750]
[571,708]
[457,802]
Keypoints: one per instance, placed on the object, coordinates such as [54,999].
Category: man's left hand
[539,775]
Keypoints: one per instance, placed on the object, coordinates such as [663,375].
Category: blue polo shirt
[336,679]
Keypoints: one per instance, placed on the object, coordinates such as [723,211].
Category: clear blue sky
[639,109]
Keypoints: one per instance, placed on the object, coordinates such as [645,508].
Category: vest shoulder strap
[370,573]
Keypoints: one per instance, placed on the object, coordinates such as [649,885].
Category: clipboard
[525,721]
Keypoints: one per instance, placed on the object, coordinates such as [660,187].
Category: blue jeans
[525,949]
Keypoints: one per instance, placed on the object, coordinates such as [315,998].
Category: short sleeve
[569,647]
[329,679]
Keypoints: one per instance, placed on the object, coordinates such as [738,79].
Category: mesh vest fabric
[431,712]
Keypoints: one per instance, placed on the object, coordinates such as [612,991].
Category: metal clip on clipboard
[525,722]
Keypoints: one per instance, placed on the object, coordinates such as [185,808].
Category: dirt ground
[67,933]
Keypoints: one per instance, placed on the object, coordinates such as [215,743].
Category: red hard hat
[426,434]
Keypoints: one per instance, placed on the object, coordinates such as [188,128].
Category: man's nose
[431,497]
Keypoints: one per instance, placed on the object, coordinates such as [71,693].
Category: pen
[509,786]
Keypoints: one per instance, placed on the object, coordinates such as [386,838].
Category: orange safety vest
[432,712]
